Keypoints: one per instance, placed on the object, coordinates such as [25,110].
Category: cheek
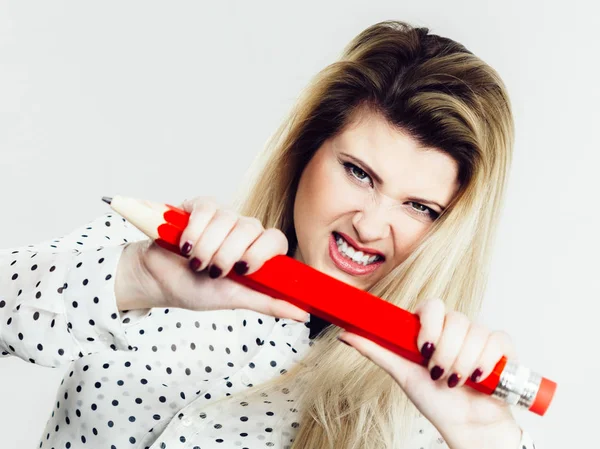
[408,233]
[321,195]
[330,201]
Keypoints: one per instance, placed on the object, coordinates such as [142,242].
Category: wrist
[134,289]
[502,435]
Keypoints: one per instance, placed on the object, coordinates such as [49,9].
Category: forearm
[63,308]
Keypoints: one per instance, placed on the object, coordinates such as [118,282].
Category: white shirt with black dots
[147,378]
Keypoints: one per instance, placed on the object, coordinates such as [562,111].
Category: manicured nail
[476,375]
[214,271]
[427,350]
[240,267]
[195,263]
[453,380]
[187,247]
[436,372]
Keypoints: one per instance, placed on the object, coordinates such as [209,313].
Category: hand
[463,416]
[219,239]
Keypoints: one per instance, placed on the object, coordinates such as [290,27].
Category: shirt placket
[199,414]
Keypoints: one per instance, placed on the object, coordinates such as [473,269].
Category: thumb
[401,369]
[185,205]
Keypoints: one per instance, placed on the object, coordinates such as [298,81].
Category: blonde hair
[446,98]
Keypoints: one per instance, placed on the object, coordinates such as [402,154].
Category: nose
[371,223]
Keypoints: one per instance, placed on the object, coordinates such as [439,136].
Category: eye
[419,206]
[357,173]
[424,210]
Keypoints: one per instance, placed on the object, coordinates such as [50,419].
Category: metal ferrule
[518,385]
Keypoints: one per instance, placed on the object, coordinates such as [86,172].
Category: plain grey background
[169,100]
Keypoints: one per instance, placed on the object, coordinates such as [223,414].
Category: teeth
[356,256]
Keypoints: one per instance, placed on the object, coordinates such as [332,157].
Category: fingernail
[240,267]
[427,350]
[214,271]
[347,344]
[453,380]
[436,372]
[195,263]
[476,375]
[187,247]
[304,319]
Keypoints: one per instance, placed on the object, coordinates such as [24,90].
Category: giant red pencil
[346,306]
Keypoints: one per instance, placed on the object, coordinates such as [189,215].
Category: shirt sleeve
[57,300]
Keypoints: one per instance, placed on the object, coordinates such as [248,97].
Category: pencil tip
[106,199]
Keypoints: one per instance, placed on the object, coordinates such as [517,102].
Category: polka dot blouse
[147,378]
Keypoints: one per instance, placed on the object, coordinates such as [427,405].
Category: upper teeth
[356,256]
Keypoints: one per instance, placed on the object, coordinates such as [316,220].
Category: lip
[347,265]
[355,245]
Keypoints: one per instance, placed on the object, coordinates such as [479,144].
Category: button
[186,421]
[105,337]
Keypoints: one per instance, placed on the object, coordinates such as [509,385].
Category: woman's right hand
[151,276]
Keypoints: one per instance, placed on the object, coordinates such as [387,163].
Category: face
[366,198]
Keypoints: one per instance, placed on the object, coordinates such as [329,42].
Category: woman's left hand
[464,417]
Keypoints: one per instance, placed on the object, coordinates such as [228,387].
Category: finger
[498,344]
[201,213]
[431,314]
[211,239]
[455,329]
[265,304]
[401,369]
[468,358]
[383,357]
[242,236]
[270,243]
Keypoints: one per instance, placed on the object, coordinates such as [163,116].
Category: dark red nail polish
[214,271]
[476,375]
[240,267]
[427,350]
[187,247]
[195,263]
[453,380]
[436,372]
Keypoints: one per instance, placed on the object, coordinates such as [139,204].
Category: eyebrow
[377,178]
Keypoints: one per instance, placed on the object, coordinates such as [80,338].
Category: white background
[169,100]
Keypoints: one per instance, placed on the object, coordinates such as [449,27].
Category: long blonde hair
[445,98]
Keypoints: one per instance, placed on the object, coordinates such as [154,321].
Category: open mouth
[349,259]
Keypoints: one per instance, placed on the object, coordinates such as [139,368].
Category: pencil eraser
[544,397]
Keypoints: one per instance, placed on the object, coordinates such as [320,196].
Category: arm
[500,438]
[57,298]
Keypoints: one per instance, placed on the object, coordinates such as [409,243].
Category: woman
[388,175]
